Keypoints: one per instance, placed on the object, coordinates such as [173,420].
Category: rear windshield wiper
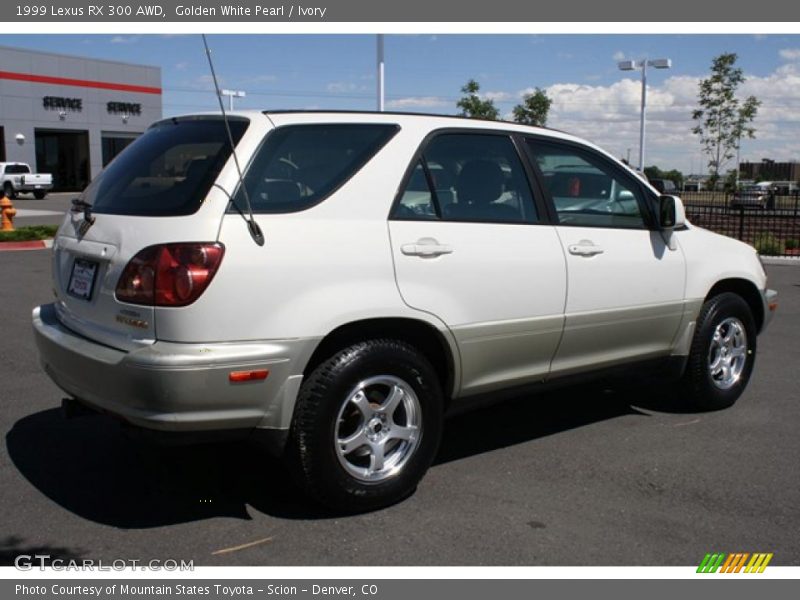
[78,205]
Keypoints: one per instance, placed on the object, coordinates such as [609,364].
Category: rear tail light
[169,274]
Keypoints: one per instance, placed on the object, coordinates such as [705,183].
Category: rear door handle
[426,248]
[585,248]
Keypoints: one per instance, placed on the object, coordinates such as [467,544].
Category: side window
[417,200]
[586,190]
[468,177]
[298,166]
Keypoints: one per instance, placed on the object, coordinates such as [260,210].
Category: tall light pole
[641,65]
[380,66]
[231,94]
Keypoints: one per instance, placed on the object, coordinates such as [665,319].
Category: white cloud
[124,39]
[181,66]
[609,116]
[413,102]
[790,54]
[205,82]
[500,96]
[618,55]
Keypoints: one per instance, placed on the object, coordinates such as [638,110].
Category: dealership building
[69,116]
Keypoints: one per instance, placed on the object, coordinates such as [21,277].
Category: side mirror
[666,212]
[671,214]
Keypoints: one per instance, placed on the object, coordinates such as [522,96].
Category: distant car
[754,196]
[408,265]
[17,179]
[665,186]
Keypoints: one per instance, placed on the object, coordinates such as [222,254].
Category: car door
[471,247]
[626,287]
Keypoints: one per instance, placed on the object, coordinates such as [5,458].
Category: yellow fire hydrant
[8,211]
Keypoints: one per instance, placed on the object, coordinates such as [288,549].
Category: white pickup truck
[17,179]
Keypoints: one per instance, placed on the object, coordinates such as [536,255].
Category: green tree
[475,107]
[534,108]
[653,172]
[730,181]
[722,120]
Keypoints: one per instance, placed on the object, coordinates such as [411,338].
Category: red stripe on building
[87,83]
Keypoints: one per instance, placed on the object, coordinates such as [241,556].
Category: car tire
[39,195]
[9,191]
[366,426]
[722,354]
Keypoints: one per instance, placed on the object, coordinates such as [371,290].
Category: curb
[33,245]
[784,261]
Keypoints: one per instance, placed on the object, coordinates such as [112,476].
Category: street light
[633,65]
[380,68]
[231,94]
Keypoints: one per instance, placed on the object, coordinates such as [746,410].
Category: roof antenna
[252,226]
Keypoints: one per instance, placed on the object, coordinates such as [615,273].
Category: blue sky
[425,72]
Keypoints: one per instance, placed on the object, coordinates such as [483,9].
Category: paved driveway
[577,477]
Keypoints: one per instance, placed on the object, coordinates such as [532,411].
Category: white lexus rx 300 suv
[367,272]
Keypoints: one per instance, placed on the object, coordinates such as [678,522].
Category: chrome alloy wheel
[727,354]
[378,428]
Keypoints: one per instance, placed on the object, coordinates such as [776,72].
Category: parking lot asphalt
[48,211]
[584,476]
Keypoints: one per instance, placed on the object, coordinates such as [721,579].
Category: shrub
[25,234]
[768,245]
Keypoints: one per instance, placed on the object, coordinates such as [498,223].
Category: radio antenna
[252,226]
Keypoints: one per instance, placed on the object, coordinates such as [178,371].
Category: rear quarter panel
[318,269]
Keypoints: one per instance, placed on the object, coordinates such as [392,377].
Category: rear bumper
[34,187]
[173,387]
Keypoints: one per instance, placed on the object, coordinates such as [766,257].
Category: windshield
[167,171]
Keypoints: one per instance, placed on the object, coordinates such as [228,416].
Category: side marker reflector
[239,376]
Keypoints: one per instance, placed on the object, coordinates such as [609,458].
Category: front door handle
[426,248]
[585,248]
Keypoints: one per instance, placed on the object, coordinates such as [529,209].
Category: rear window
[17,169]
[167,171]
[298,166]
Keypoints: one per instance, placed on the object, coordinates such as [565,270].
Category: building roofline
[78,57]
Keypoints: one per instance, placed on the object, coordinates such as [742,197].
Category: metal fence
[774,231]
